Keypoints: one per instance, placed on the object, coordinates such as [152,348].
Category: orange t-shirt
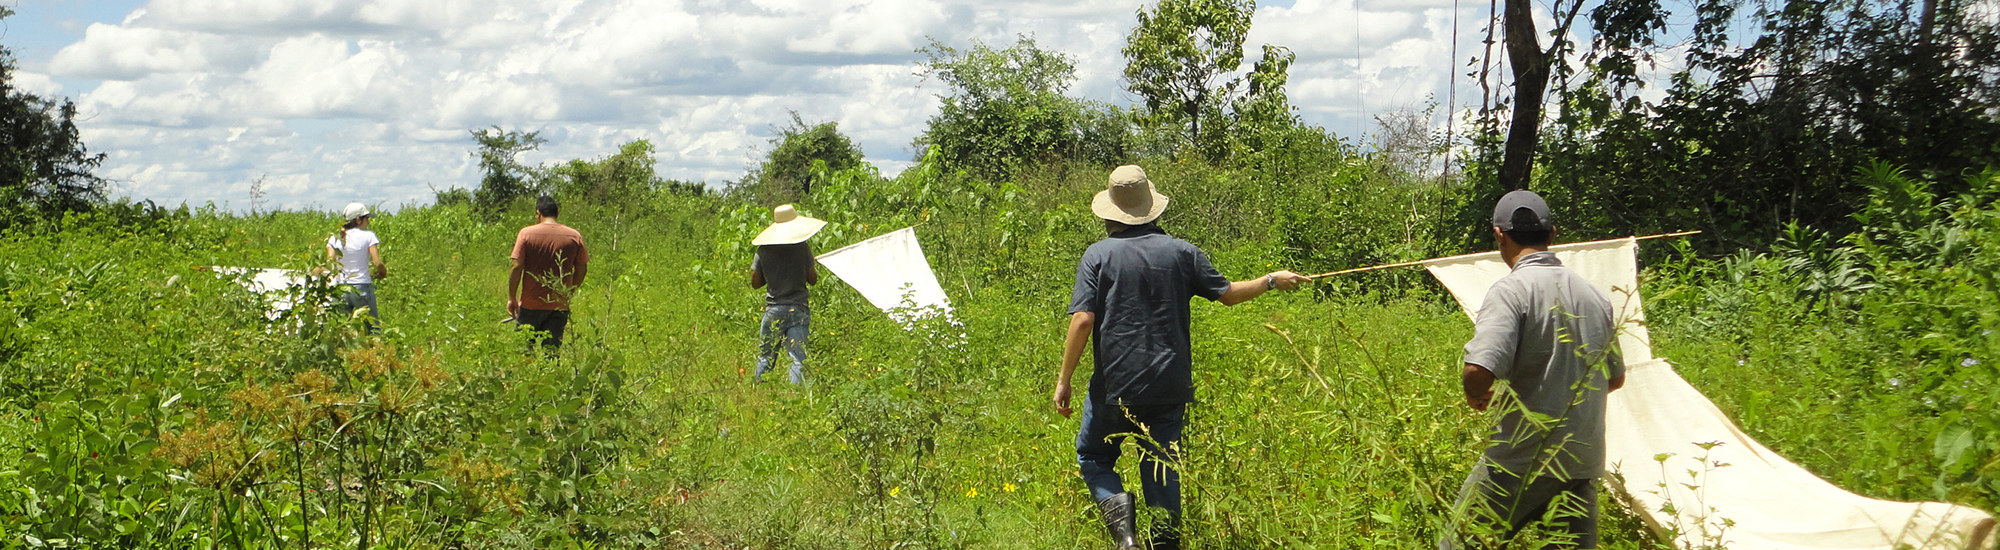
[546,251]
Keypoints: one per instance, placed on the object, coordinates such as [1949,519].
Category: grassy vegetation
[150,405]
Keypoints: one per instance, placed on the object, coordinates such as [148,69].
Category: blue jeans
[786,326]
[361,296]
[1097,454]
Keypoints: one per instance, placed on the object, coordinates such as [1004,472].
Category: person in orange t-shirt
[549,263]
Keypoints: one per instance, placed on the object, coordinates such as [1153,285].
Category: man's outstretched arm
[1243,291]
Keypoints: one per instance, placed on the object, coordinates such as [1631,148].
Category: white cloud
[124,53]
[38,84]
[370,100]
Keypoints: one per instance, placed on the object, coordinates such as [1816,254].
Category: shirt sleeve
[582,252]
[372,240]
[1495,333]
[1207,282]
[520,245]
[1084,295]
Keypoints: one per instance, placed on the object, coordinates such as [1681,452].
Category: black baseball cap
[1522,210]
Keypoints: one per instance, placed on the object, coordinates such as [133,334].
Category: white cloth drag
[278,287]
[1759,501]
[890,270]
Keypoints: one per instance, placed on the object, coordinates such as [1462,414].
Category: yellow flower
[1009,487]
[893,491]
[972,493]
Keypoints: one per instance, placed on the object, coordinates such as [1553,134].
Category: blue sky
[334,101]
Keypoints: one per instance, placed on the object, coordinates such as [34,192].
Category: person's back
[1131,299]
[550,252]
[1552,337]
[1139,282]
[786,269]
[549,262]
[1550,334]
[351,245]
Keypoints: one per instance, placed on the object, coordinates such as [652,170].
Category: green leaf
[1952,444]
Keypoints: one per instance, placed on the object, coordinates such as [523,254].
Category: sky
[335,101]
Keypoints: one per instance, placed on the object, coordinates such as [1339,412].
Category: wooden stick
[1422,262]
[1369,268]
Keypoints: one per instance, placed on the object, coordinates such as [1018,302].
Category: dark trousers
[550,321]
[1494,498]
[1097,452]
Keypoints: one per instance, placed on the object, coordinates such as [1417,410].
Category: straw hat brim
[792,232]
[1139,214]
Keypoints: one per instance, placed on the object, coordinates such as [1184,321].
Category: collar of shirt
[1538,259]
[1138,231]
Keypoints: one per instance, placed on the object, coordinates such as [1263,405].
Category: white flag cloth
[1610,265]
[1771,503]
[279,287]
[891,272]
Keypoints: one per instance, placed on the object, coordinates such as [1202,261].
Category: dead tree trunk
[1531,81]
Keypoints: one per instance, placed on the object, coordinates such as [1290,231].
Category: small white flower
[1895,382]
[1739,362]
[1968,362]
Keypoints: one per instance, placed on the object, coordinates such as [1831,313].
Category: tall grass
[151,405]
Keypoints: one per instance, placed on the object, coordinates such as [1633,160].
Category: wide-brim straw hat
[788,227]
[1130,198]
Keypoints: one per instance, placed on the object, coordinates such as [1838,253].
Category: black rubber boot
[1120,521]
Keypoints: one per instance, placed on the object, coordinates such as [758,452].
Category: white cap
[354,211]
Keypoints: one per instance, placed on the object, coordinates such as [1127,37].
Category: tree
[788,172]
[1005,108]
[1771,116]
[44,165]
[1182,59]
[1530,65]
[504,177]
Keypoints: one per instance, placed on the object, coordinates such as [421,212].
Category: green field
[149,404]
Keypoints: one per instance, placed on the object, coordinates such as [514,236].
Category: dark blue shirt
[1137,283]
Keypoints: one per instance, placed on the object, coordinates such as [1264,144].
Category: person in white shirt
[354,248]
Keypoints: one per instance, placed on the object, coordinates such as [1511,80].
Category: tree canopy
[44,165]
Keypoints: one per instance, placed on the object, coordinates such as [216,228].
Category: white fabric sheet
[279,287]
[891,272]
[1769,502]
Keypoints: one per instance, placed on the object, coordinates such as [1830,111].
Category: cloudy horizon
[371,100]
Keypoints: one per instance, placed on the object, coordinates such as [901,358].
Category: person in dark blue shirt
[1132,291]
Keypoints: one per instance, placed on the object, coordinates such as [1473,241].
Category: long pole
[1422,262]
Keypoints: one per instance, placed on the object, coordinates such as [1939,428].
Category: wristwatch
[1270,282]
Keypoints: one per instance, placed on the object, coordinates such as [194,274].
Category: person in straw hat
[784,268]
[1132,291]
[354,247]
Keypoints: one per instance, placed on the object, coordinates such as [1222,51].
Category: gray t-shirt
[785,267]
[1553,337]
[1137,283]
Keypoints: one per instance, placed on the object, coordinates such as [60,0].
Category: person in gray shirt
[784,267]
[1552,337]
[1130,307]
